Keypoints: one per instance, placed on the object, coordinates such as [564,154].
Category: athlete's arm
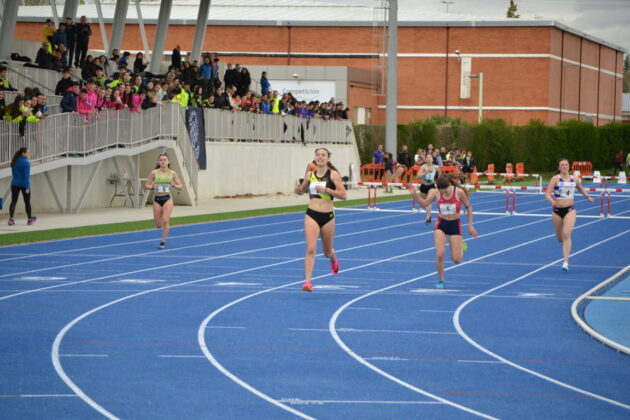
[581,189]
[340,192]
[431,196]
[149,184]
[303,187]
[463,197]
[175,182]
[550,187]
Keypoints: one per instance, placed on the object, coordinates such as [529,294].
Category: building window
[362,115]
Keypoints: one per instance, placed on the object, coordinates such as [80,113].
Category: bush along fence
[493,141]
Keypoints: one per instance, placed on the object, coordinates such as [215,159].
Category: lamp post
[480,77]
[447,3]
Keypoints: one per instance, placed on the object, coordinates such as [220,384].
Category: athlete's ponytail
[455,179]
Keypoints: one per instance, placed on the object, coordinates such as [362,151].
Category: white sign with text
[306,90]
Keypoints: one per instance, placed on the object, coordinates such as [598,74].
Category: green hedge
[537,145]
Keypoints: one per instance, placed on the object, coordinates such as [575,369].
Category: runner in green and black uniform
[323,185]
[161,180]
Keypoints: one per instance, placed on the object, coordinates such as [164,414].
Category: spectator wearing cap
[69,101]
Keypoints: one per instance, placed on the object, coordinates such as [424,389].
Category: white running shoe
[565,266]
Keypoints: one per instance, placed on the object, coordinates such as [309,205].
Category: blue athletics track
[216,326]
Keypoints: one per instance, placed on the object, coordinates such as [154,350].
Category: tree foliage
[512,9]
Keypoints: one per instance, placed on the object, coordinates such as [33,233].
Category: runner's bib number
[313,187]
[163,188]
[448,209]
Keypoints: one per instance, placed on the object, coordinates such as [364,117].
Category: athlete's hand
[320,189]
[298,189]
[473,231]
[591,199]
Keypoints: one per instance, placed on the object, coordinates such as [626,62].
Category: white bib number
[448,209]
[162,188]
[313,185]
[567,192]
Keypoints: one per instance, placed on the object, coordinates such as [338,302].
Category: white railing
[21,77]
[245,126]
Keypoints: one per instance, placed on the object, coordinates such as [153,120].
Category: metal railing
[225,125]
[21,77]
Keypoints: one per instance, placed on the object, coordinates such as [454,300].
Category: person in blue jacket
[21,170]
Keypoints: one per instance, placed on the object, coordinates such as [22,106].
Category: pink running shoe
[307,286]
[11,222]
[31,220]
[334,267]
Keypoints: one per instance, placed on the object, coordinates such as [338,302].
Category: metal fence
[225,125]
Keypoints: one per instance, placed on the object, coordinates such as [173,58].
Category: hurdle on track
[510,193]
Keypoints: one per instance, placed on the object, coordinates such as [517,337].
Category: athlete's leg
[557,226]
[439,238]
[427,208]
[567,228]
[327,233]
[457,248]
[167,209]
[311,232]
[157,214]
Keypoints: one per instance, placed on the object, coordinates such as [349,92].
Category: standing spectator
[69,101]
[21,182]
[618,162]
[4,81]
[176,58]
[60,37]
[124,60]
[628,162]
[246,81]
[468,166]
[377,156]
[264,84]
[2,104]
[215,71]
[88,70]
[71,37]
[83,31]
[48,31]
[404,163]
[206,75]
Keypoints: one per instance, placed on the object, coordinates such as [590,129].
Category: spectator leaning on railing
[4,80]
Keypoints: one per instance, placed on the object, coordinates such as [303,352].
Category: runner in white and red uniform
[450,199]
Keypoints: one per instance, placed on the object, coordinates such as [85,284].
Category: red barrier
[585,168]
[371,172]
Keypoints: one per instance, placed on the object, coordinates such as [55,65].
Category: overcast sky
[605,19]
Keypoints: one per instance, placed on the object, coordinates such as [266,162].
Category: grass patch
[75,232]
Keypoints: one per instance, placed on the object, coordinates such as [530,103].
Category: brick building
[532,69]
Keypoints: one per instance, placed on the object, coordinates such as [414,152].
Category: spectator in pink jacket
[84,107]
[115,101]
[136,103]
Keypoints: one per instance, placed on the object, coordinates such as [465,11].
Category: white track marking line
[224,256]
[203,326]
[155,267]
[333,320]
[298,401]
[458,327]
[153,253]
[58,339]
[201,331]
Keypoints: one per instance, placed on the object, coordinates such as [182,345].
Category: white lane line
[185,263]
[460,330]
[481,361]
[432,310]
[201,331]
[118,244]
[182,356]
[39,396]
[162,252]
[333,320]
[84,355]
[226,327]
[203,326]
[298,401]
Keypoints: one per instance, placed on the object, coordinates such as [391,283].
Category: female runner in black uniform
[323,185]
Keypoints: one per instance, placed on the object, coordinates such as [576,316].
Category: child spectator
[69,101]
[115,101]
[4,80]
[84,107]
[99,78]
